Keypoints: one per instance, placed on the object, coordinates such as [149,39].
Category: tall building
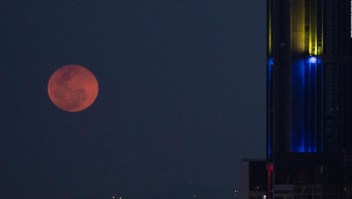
[309,91]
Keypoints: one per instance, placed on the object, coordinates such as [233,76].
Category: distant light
[270,61]
[312,60]
[264,197]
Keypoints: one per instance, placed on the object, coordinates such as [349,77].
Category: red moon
[73,88]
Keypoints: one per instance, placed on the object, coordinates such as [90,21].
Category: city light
[312,60]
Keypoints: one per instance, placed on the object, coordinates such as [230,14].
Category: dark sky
[181,99]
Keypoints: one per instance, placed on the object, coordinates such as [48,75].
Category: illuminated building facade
[309,80]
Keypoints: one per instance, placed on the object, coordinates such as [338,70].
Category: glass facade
[309,97]
[308,76]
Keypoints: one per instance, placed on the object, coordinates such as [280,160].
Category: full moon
[73,88]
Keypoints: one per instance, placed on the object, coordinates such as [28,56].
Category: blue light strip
[313,100]
[269,85]
[303,107]
[298,137]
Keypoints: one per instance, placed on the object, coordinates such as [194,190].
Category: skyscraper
[309,80]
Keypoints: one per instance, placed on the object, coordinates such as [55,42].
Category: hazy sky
[181,99]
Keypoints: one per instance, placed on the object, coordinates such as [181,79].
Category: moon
[73,88]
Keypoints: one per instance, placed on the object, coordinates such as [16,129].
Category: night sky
[181,99]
